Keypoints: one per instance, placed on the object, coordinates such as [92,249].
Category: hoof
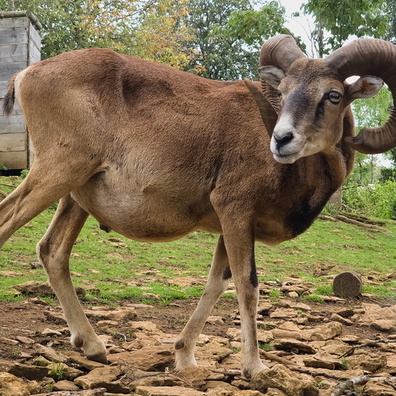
[100,358]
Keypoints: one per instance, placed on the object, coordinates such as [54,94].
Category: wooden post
[20,46]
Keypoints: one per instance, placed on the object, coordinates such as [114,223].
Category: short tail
[9,97]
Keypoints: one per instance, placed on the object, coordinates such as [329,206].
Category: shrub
[378,200]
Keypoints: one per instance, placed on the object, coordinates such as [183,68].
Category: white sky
[300,26]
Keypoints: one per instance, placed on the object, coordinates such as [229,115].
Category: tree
[229,34]
[342,19]
[76,24]
[254,26]
[152,29]
[216,55]
[162,33]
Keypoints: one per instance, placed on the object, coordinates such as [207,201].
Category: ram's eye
[334,97]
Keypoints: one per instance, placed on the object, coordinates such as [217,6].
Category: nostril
[285,139]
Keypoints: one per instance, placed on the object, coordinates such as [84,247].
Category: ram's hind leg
[217,283]
[30,198]
[46,183]
[54,251]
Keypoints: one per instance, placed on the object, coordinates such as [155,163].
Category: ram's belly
[154,211]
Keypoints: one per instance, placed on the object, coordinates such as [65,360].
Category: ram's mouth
[286,159]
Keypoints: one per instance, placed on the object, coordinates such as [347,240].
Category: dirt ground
[28,319]
[32,317]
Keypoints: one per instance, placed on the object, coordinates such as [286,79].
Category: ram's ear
[272,75]
[365,87]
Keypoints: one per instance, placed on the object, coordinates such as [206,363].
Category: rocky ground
[310,348]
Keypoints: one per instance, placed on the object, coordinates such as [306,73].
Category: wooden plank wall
[20,46]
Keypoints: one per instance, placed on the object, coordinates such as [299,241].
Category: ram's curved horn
[280,51]
[369,57]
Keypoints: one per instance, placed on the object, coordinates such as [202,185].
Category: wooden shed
[20,46]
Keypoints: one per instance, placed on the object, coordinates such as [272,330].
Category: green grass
[125,269]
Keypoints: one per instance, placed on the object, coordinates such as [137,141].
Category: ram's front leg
[239,243]
[217,283]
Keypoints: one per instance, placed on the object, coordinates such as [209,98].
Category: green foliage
[344,363]
[24,173]
[324,290]
[377,200]
[341,19]
[152,30]
[314,298]
[76,24]
[216,54]
[162,32]
[57,371]
[254,26]
[373,112]
[274,295]
[266,346]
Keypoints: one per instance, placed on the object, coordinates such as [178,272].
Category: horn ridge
[280,51]
[369,57]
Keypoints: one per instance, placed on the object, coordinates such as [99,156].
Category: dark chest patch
[307,206]
[301,216]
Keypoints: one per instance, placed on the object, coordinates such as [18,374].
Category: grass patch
[313,297]
[125,269]
[266,346]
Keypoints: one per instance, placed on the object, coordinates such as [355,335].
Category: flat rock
[369,362]
[82,360]
[119,314]
[24,340]
[279,333]
[147,359]
[384,325]
[8,341]
[90,392]
[335,347]
[166,379]
[264,308]
[50,353]
[10,385]
[65,385]
[144,326]
[55,317]
[167,391]
[373,312]
[323,360]
[99,377]
[29,371]
[234,334]
[265,335]
[33,287]
[51,332]
[295,305]
[212,386]
[283,313]
[195,376]
[294,345]
[326,332]
[373,388]
[338,318]
[215,320]
[281,378]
